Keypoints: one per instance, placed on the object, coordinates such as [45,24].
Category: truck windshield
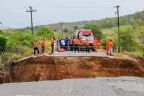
[88,37]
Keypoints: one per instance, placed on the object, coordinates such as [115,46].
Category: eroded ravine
[58,68]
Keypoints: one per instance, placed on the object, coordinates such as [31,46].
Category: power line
[31,13]
[118,23]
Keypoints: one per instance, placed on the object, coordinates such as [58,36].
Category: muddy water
[58,68]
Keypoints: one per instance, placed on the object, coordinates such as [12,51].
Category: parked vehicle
[86,35]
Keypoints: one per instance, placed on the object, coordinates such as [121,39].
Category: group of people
[63,43]
[36,46]
[75,45]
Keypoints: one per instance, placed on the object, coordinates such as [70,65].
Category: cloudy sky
[13,12]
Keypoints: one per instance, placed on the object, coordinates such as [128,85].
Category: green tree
[3,42]
[75,28]
[45,33]
[17,41]
[97,32]
[139,34]
[55,30]
[66,30]
[127,39]
[1,32]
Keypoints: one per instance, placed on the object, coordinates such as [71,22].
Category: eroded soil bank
[4,77]
[58,68]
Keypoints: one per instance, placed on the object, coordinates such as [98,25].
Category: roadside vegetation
[131,38]
[15,45]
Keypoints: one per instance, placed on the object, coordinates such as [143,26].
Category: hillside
[103,23]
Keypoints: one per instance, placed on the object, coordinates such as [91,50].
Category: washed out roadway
[119,86]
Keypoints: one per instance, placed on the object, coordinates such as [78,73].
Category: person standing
[66,44]
[81,45]
[52,44]
[110,45]
[71,44]
[58,43]
[95,44]
[43,45]
[98,44]
[87,46]
[35,47]
[107,47]
[76,45]
[62,43]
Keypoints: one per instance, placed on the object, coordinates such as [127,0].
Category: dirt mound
[57,68]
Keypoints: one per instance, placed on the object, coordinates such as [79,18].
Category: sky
[13,12]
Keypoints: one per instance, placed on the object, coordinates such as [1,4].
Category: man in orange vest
[43,44]
[52,45]
[110,46]
[107,47]
[76,45]
[81,45]
[98,44]
[71,44]
[35,47]
[87,46]
[95,44]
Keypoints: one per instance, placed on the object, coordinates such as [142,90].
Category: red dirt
[58,68]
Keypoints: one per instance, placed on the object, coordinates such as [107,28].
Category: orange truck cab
[86,35]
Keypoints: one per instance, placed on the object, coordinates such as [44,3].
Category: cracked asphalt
[120,86]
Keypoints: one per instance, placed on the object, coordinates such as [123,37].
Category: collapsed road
[77,74]
[55,67]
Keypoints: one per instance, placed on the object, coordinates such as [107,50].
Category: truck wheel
[93,49]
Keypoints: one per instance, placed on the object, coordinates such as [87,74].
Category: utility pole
[31,13]
[118,23]
[62,28]
[1,25]
[0,53]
